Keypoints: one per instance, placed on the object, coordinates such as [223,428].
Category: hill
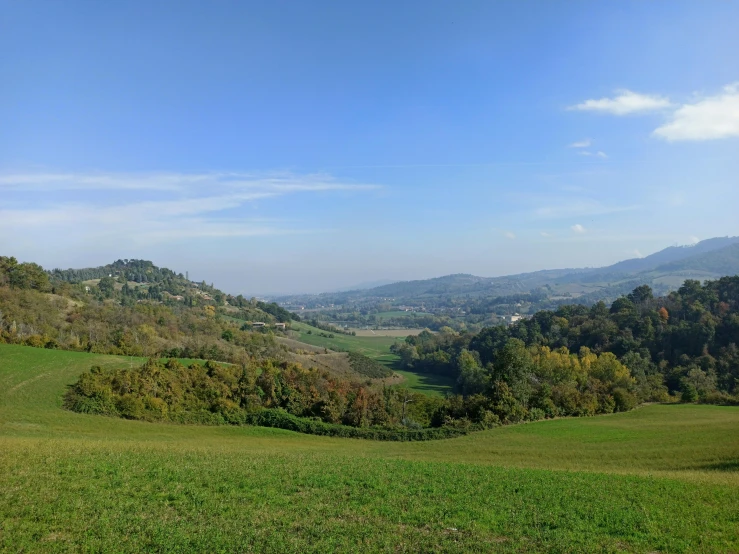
[464,301]
[668,256]
[662,478]
[724,261]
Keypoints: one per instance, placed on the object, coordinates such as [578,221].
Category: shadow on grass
[730,465]
[421,382]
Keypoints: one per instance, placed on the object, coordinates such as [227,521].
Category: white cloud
[581,144]
[714,117]
[585,153]
[693,240]
[577,228]
[601,154]
[545,234]
[509,235]
[167,206]
[637,253]
[625,102]
[579,207]
[280,182]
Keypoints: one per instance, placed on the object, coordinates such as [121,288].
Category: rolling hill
[664,270]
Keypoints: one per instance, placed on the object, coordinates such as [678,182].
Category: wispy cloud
[169,206]
[280,182]
[598,154]
[714,117]
[623,103]
[574,207]
[581,144]
[509,235]
[577,228]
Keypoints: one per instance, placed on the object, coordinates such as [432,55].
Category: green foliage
[662,478]
[690,394]
[284,420]
[217,394]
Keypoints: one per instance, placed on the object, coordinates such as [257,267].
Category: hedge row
[284,420]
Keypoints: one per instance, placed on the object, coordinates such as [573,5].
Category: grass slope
[661,478]
[378,348]
[369,346]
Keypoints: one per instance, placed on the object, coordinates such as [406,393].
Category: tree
[689,393]
[472,379]
[641,294]
[107,286]
[514,367]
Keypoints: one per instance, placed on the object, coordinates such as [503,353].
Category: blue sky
[305,146]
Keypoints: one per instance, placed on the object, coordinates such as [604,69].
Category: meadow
[662,478]
[372,346]
[398,333]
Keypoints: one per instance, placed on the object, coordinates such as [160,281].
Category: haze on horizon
[284,147]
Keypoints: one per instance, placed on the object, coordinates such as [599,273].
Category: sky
[286,146]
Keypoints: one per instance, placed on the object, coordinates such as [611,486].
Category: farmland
[399,333]
[372,346]
[660,478]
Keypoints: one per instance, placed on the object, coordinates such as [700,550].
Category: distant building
[258,324]
[280,325]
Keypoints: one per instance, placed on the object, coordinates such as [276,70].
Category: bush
[624,400]
[282,420]
[719,399]
[689,393]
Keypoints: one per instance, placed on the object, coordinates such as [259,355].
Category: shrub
[282,420]
[624,400]
[690,394]
[719,398]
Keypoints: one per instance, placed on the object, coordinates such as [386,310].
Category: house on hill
[282,326]
[258,324]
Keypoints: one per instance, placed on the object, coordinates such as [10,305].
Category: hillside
[724,261]
[668,256]
[479,301]
[662,478]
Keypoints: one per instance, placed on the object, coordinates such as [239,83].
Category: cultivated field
[658,479]
[373,346]
[398,333]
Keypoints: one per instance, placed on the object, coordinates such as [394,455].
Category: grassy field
[399,333]
[658,479]
[377,347]
[369,346]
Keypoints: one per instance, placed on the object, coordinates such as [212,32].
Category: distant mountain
[366,285]
[663,270]
[666,256]
[724,261]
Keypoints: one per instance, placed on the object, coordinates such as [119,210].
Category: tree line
[579,360]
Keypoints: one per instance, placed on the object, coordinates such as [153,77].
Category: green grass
[660,478]
[369,346]
[434,385]
[377,348]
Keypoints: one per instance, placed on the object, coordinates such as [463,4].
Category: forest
[683,344]
[573,361]
[52,310]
